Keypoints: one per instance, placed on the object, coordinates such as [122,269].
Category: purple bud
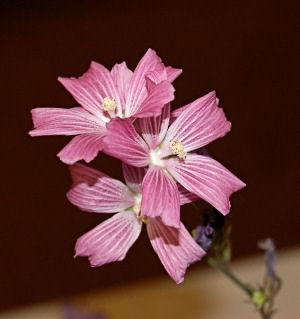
[270,254]
[212,220]
[203,236]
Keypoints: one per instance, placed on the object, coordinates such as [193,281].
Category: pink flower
[168,151]
[104,95]
[94,191]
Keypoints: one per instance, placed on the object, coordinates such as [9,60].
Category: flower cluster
[127,115]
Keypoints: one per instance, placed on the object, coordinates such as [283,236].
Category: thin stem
[226,271]
[264,316]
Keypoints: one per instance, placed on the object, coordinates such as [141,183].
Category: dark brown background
[246,50]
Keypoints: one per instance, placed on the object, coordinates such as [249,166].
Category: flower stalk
[230,275]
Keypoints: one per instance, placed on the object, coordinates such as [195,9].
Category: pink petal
[157,75]
[82,147]
[150,65]
[122,76]
[178,111]
[199,124]
[153,129]
[172,73]
[206,178]
[175,247]
[185,196]
[160,197]
[56,121]
[123,142]
[133,177]
[94,191]
[158,95]
[161,73]
[111,240]
[92,87]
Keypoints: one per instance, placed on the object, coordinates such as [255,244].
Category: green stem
[226,271]
[264,316]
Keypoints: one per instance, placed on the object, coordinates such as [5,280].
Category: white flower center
[108,104]
[177,148]
[155,158]
[137,208]
[137,205]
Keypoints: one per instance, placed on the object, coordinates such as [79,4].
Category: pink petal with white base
[158,95]
[150,65]
[175,248]
[160,197]
[153,129]
[206,178]
[199,124]
[82,147]
[123,142]
[122,76]
[134,177]
[111,240]
[56,121]
[92,87]
[94,191]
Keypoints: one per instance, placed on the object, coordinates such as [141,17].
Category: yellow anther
[177,148]
[109,104]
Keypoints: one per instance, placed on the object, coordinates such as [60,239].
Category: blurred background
[246,50]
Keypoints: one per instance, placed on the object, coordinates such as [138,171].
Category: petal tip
[94,64]
[213,93]
[179,280]
[64,159]
[150,50]
[226,209]
[241,185]
[61,79]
